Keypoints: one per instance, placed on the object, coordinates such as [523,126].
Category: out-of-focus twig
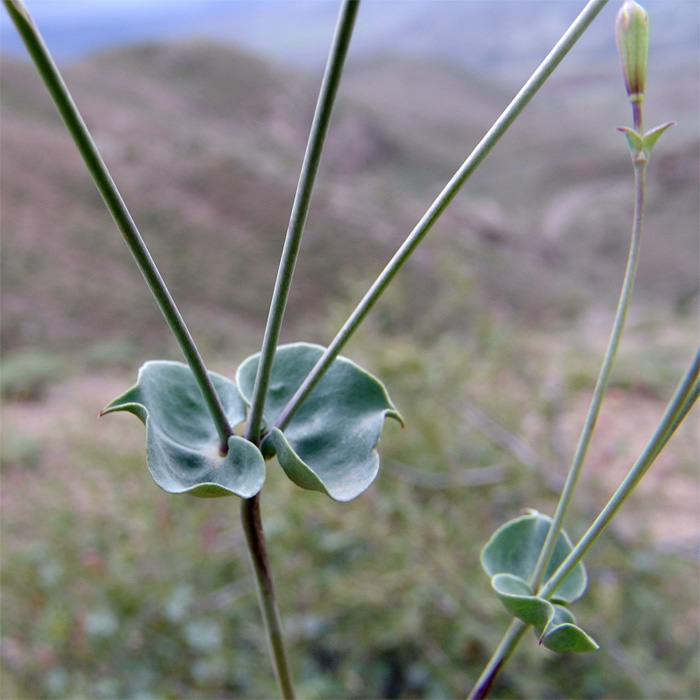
[464,477]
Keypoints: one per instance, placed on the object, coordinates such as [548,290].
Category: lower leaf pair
[510,557]
[328,446]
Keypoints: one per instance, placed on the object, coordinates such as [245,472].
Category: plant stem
[510,640]
[250,508]
[484,147]
[117,208]
[683,400]
[638,118]
[602,382]
[252,525]
[300,209]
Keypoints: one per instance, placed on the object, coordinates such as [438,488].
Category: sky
[298,31]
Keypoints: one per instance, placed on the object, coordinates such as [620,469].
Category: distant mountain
[501,37]
[205,142]
[505,38]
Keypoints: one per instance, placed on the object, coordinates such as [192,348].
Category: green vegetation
[26,375]
[114,589]
[385,599]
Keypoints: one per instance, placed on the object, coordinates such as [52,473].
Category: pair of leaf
[509,558]
[329,445]
[638,143]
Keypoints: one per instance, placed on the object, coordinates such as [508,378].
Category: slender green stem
[683,400]
[638,117]
[505,649]
[602,383]
[682,412]
[484,147]
[250,509]
[115,204]
[300,208]
[252,525]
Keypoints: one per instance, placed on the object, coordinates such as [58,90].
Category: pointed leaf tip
[554,625]
[652,136]
[182,444]
[568,637]
[634,141]
[330,443]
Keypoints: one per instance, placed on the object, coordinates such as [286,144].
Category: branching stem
[683,400]
[250,509]
[484,147]
[300,209]
[602,382]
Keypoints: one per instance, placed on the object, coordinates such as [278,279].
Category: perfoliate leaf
[554,626]
[182,444]
[515,547]
[519,600]
[562,634]
[330,443]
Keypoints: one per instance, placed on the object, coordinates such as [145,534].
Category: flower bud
[632,38]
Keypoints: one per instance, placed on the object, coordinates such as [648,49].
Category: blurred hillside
[488,342]
[206,141]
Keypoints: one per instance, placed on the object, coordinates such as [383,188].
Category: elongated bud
[632,38]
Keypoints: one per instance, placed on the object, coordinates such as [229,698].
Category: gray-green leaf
[330,443]
[652,136]
[567,637]
[182,444]
[515,547]
[520,601]
[554,625]
[634,141]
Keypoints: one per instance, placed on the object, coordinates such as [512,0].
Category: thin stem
[484,147]
[66,107]
[602,383]
[250,508]
[300,209]
[637,117]
[683,400]
[505,649]
[681,413]
[252,525]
